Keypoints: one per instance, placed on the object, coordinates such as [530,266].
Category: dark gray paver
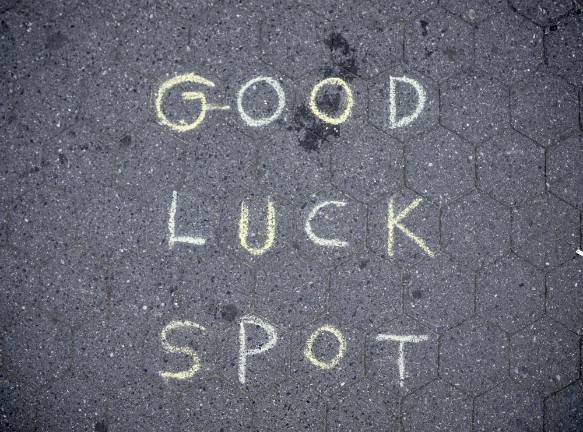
[474,356]
[508,46]
[439,166]
[544,108]
[545,231]
[437,406]
[564,286]
[438,43]
[474,11]
[564,49]
[474,105]
[564,171]
[545,354]
[510,406]
[510,167]
[439,292]
[378,297]
[542,12]
[370,170]
[510,292]
[293,38]
[363,407]
[475,230]
[563,409]
[365,43]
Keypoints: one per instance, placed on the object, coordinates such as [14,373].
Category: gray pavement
[468,318]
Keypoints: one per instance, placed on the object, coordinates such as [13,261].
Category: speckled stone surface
[490,302]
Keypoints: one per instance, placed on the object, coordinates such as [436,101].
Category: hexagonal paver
[294,292]
[395,11]
[508,46]
[364,43]
[437,407]
[363,407]
[369,169]
[565,294]
[542,12]
[474,356]
[36,349]
[144,50]
[544,108]
[565,49]
[439,292]
[545,231]
[474,11]
[510,167]
[512,406]
[563,409]
[330,226]
[289,405]
[474,105]
[545,353]
[475,230]
[219,31]
[405,357]
[439,166]
[565,170]
[438,43]
[378,297]
[418,241]
[230,405]
[510,292]
[292,38]
[406,102]
[295,160]
[335,355]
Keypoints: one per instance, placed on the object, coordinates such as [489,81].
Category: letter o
[265,120]
[309,353]
[349,101]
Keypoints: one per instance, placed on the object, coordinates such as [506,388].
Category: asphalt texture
[87,173]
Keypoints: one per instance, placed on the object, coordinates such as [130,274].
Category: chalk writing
[333,362]
[402,339]
[244,352]
[173,238]
[280,102]
[308,226]
[421,98]
[396,222]
[244,229]
[192,78]
[325,117]
[182,125]
[175,325]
